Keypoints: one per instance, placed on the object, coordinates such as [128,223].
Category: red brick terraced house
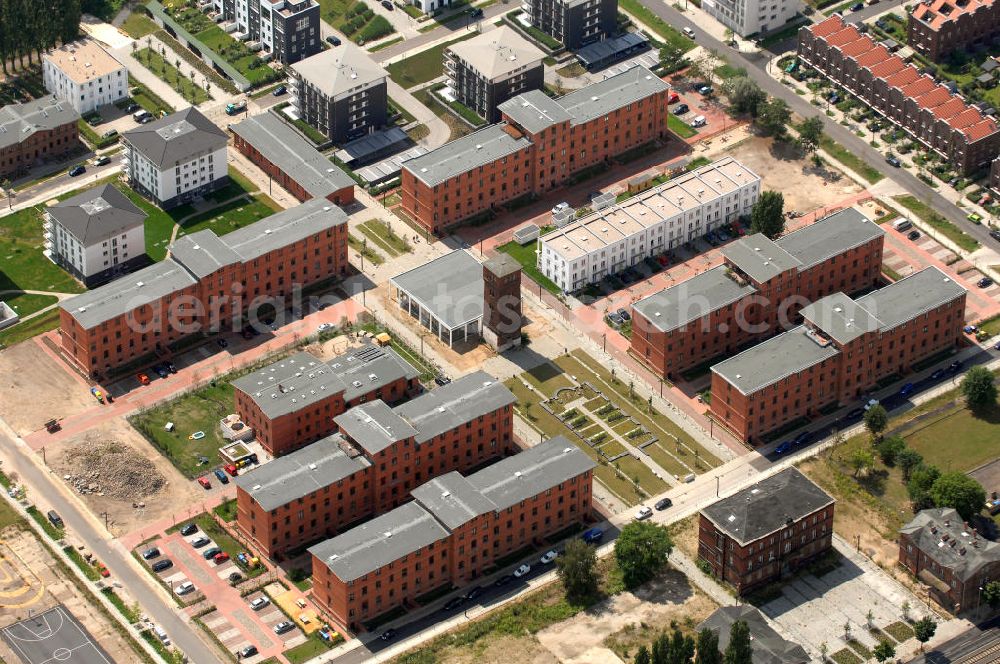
[761,286]
[292,402]
[34,132]
[949,557]
[207,283]
[451,533]
[538,144]
[938,27]
[766,531]
[371,464]
[928,111]
[840,352]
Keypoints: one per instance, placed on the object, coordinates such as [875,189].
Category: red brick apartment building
[767,530]
[928,111]
[949,557]
[761,285]
[373,462]
[938,27]
[451,533]
[292,402]
[207,283]
[291,161]
[537,145]
[841,351]
[34,132]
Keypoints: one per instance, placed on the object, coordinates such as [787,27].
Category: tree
[661,649]
[641,550]
[958,490]
[577,568]
[681,648]
[642,656]
[919,486]
[8,189]
[773,116]
[862,459]
[924,630]
[767,215]
[811,133]
[978,388]
[884,650]
[889,449]
[739,651]
[991,594]
[876,420]
[708,648]
[744,95]
[907,459]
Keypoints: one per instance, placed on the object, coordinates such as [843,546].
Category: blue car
[907,390]
[784,448]
[802,439]
[593,536]
[221,476]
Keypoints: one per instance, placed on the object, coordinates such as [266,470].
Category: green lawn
[139,25]
[385,237]
[25,303]
[199,410]
[849,159]
[670,34]
[172,76]
[148,99]
[929,216]
[227,510]
[312,647]
[679,127]
[364,249]
[22,264]
[972,440]
[525,255]
[224,541]
[231,216]
[355,19]
[423,66]
[30,328]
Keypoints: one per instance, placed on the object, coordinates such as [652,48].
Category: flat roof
[19,121]
[452,499]
[374,426]
[285,228]
[465,154]
[296,475]
[612,93]
[767,506]
[295,382]
[497,53]
[759,257]
[678,305]
[386,538]
[531,471]
[606,49]
[448,406]
[769,361]
[178,137]
[83,60]
[450,287]
[338,70]
[502,265]
[911,296]
[295,156]
[203,253]
[840,317]
[534,110]
[130,292]
[829,236]
[97,214]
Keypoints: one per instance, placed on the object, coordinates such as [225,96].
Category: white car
[521,571]
[184,588]
[643,513]
[548,557]
[259,603]
[871,404]
[560,207]
[699,121]
[323,327]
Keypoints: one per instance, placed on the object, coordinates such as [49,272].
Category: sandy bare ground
[35,389]
[505,650]
[175,496]
[624,619]
[781,169]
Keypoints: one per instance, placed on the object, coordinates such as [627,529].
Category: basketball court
[52,637]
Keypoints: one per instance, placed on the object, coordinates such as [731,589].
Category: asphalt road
[867,12]
[140,587]
[55,185]
[755,66]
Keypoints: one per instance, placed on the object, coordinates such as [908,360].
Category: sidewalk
[439,131]
[148,78]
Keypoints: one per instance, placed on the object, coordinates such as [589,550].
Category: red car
[231,469]
[674,98]
[220,558]
[104,571]
[204,482]
[142,378]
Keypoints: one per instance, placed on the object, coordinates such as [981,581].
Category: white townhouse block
[176,159]
[84,75]
[749,17]
[97,235]
[655,221]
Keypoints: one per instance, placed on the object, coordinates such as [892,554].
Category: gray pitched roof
[285,228]
[202,253]
[911,296]
[531,471]
[448,406]
[297,381]
[768,646]
[178,137]
[964,552]
[464,154]
[374,426]
[130,292]
[386,538]
[452,499]
[831,235]
[769,361]
[296,475]
[840,317]
[339,70]
[689,300]
[20,121]
[759,257]
[450,287]
[767,506]
[97,214]
[295,156]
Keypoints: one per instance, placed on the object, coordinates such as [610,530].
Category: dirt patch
[782,169]
[159,489]
[626,620]
[684,533]
[34,388]
[504,650]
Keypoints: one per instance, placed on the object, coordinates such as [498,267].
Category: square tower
[502,318]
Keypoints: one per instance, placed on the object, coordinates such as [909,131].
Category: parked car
[893,160]
[681,109]
[77,170]
[387,635]
[985,282]
[208,554]
[161,371]
[284,626]
[472,593]
[205,484]
[441,380]
[521,571]
[221,476]
[871,404]
[259,603]
[995,234]
[643,513]
[453,603]
[907,390]
[673,98]
[334,41]
[189,529]
[503,580]
[615,319]
[387,5]
[142,378]
[955,367]
[593,536]
[560,207]
[937,374]
[476,12]
[161,565]
[146,119]
[102,160]
[705,90]
[699,121]
[220,558]
[913,235]
[235,577]
[222,342]
[111,133]
[802,439]
[248,651]
[151,552]
[548,557]
[184,588]
[858,6]
[663,503]
[280,90]
[784,448]
[969,329]
[200,541]
[624,314]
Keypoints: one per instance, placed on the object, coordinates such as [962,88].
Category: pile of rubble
[110,468]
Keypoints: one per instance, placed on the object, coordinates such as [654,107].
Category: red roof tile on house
[845,36]
[981,130]
[950,109]
[935,97]
[966,118]
[889,67]
[939,12]
[857,47]
[827,27]
[903,77]
[919,87]
[873,57]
